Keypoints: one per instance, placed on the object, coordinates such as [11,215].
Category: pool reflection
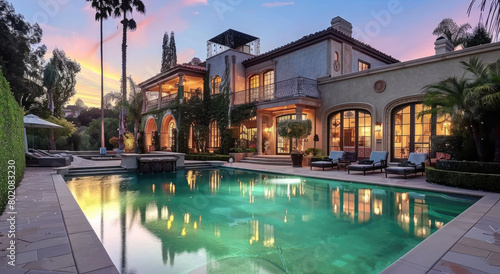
[205,216]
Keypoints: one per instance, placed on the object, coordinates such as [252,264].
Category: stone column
[180,93]
[144,100]
[258,146]
[160,94]
[298,113]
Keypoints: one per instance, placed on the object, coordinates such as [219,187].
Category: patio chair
[378,160]
[48,154]
[415,164]
[36,159]
[330,161]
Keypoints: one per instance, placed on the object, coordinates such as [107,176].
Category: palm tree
[450,30]
[122,7]
[450,96]
[485,93]
[493,19]
[103,11]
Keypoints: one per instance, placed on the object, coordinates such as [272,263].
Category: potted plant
[295,129]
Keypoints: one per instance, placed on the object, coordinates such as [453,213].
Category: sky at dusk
[401,28]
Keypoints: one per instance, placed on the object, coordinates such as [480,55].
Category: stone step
[287,160]
[82,171]
[267,162]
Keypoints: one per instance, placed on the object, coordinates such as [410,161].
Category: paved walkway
[53,234]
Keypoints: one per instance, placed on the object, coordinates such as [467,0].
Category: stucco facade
[352,105]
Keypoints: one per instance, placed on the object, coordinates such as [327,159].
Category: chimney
[342,25]
[442,45]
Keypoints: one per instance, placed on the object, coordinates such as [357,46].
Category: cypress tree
[173,51]
[165,58]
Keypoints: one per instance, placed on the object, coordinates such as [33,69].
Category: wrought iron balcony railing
[294,87]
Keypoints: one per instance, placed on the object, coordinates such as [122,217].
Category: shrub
[468,166]
[314,151]
[207,157]
[477,181]
[447,144]
[11,140]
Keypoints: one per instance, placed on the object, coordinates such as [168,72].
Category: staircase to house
[274,160]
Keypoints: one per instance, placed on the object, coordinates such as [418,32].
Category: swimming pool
[242,221]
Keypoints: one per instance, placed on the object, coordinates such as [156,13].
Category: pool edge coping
[88,251]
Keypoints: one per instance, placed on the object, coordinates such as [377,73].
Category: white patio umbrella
[33,121]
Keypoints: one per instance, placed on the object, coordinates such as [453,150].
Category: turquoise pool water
[233,221]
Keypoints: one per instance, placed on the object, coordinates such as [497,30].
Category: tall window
[214,134]
[351,131]
[216,85]
[269,85]
[411,132]
[363,65]
[254,88]
[172,132]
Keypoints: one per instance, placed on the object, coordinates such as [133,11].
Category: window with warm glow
[269,85]
[254,88]
[214,134]
[411,132]
[443,125]
[363,65]
[351,131]
[216,85]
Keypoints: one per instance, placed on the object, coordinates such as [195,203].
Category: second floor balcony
[291,88]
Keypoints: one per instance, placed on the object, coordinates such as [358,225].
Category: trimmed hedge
[207,157]
[469,166]
[11,140]
[477,181]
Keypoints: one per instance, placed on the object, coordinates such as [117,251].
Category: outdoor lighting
[378,127]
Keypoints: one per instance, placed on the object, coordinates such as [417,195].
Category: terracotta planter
[297,159]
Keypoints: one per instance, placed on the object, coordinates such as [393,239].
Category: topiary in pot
[297,129]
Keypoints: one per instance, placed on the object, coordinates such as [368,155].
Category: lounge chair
[48,154]
[331,161]
[378,160]
[415,164]
[35,159]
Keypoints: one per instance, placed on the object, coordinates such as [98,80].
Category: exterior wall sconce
[267,130]
[378,127]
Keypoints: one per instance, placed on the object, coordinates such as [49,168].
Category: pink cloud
[277,4]
[194,2]
[185,55]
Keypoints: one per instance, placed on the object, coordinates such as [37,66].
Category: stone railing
[165,100]
[295,87]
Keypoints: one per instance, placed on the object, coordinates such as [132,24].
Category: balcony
[153,104]
[291,88]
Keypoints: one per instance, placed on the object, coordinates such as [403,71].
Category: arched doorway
[350,131]
[168,128]
[150,131]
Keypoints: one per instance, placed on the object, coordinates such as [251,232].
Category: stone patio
[53,235]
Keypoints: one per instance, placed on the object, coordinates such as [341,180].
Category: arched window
[254,88]
[350,131]
[411,132]
[214,134]
[216,85]
[172,132]
[269,85]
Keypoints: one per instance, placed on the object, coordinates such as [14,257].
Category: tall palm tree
[450,30]
[103,8]
[493,18]
[123,7]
